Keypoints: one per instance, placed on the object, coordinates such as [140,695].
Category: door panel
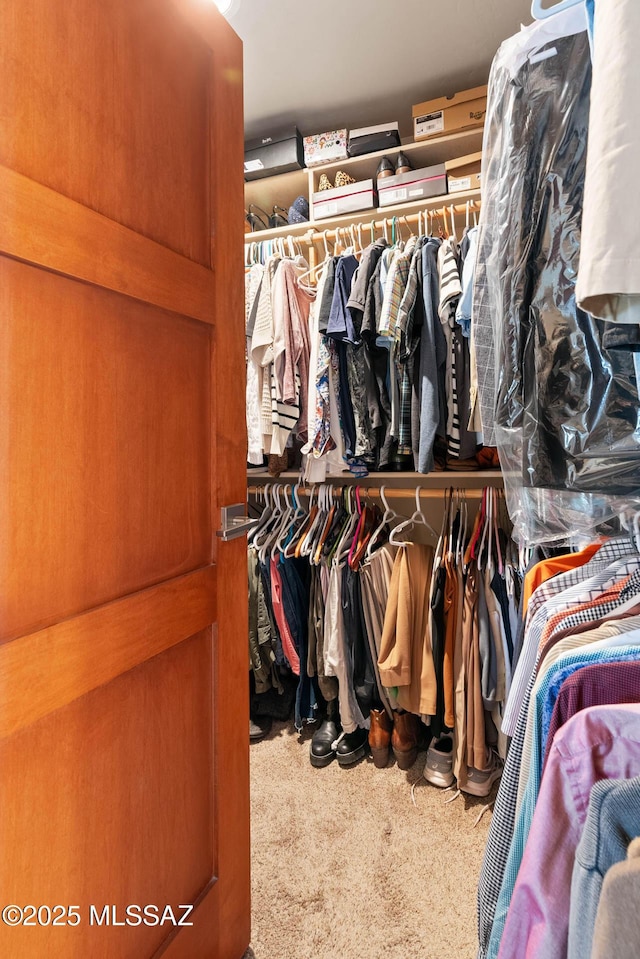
[123,621]
[119,382]
[136,764]
[130,78]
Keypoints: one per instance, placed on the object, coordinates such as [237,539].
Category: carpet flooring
[346,866]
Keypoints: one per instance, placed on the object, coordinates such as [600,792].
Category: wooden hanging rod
[316,234]
[375,491]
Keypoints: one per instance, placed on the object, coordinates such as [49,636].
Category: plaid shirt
[502,822]
[549,598]
[394,289]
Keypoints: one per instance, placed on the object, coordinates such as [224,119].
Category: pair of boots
[350,747]
[405,734]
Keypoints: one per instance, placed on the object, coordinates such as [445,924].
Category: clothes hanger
[441,545]
[307,545]
[267,515]
[538,12]
[475,532]
[284,525]
[358,536]
[277,515]
[417,519]
[287,526]
[406,223]
[321,523]
[312,511]
[337,527]
[484,552]
[370,517]
[388,518]
[497,527]
[347,532]
[463,513]
[297,525]
[317,556]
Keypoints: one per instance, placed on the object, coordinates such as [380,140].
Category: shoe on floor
[352,746]
[380,736]
[321,751]
[480,781]
[259,727]
[409,735]
[438,769]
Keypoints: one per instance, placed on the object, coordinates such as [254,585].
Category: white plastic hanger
[389,516]
[267,513]
[538,12]
[417,519]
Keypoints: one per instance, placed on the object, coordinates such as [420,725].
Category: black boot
[353,746]
[321,753]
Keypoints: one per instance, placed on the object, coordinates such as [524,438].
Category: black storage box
[280,153]
[386,136]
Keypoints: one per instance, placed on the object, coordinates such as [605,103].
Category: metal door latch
[235,522]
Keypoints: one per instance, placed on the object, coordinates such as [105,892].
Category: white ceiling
[349,63]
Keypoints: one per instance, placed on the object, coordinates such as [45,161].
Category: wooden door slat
[51,668]
[98,250]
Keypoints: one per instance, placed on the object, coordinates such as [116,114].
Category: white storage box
[414,185]
[344,199]
[325,147]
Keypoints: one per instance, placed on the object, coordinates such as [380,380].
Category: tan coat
[406,656]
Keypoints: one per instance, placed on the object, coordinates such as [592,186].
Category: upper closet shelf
[284,188]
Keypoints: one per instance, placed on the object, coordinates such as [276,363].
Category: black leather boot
[353,746]
[321,753]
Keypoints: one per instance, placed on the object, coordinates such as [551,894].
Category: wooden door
[123,649]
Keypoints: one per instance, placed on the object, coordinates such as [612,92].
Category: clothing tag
[543,55]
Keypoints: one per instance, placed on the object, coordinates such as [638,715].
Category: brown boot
[408,736]
[380,736]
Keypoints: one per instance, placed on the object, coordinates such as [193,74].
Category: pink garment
[602,742]
[278,611]
[292,345]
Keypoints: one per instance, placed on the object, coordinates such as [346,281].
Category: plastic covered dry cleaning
[566,385]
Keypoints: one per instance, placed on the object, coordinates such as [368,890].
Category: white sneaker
[480,781]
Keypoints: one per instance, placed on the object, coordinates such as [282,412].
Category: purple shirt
[596,685]
[602,742]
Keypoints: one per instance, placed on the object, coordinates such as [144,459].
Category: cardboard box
[325,147]
[414,185]
[279,153]
[464,173]
[448,114]
[344,199]
[385,136]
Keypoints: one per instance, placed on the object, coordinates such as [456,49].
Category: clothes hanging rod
[316,234]
[371,491]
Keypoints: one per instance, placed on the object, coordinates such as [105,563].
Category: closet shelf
[308,230]
[421,153]
[283,188]
[437,481]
